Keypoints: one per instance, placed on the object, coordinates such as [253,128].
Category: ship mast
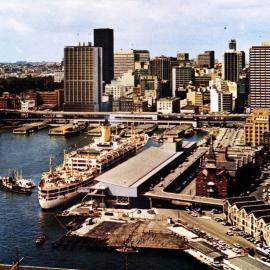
[50,165]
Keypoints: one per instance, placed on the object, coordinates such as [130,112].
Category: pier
[30,128]
[67,129]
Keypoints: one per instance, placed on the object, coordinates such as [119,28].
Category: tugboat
[9,183]
[25,183]
[40,240]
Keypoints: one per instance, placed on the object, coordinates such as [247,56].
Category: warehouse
[132,177]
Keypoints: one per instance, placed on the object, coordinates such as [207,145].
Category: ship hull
[58,202]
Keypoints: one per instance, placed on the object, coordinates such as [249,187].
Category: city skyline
[39,30]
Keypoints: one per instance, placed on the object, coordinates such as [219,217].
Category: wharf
[145,128]
[66,130]
[177,131]
[130,228]
[30,128]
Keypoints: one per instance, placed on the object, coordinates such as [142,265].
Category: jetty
[67,129]
[30,128]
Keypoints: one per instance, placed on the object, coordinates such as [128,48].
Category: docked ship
[81,166]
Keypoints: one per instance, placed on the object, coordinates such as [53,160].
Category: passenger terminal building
[122,185]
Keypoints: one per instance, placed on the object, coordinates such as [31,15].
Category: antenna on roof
[78,35]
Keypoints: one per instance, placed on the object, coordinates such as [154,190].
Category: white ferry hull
[59,201]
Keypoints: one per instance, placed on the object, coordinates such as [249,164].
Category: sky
[38,30]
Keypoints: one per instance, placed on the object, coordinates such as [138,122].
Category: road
[208,225]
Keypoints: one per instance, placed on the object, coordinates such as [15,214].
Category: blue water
[21,218]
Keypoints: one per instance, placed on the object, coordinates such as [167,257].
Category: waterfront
[22,219]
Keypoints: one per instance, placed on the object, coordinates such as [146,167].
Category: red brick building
[211,181]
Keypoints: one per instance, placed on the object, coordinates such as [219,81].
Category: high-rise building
[232,44]
[181,77]
[103,38]
[123,62]
[232,63]
[160,67]
[83,78]
[220,101]
[206,59]
[256,125]
[259,80]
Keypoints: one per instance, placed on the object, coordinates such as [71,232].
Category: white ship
[82,165]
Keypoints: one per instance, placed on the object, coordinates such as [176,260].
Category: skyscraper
[181,77]
[232,44]
[206,59]
[123,62]
[103,38]
[259,85]
[83,78]
[232,63]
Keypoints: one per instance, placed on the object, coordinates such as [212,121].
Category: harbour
[27,220]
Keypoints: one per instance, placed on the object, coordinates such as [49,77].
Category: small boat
[40,240]
[26,183]
[9,184]
[127,250]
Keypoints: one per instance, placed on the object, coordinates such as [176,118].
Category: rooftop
[261,213]
[246,263]
[252,208]
[241,199]
[139,168]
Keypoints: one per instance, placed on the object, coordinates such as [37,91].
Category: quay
[30,128]
[67,129]
[114,228]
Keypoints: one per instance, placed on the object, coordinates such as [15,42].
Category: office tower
[259,86]
[206,59]
[232,45]
[141,64]
[220,101]
[256,125]
[123,62]
[103,38]
[232,62]
[181,77]
[83,78]
[160,67]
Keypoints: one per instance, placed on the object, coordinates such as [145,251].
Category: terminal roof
[139,168]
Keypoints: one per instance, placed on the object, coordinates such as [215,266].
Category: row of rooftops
[251,205]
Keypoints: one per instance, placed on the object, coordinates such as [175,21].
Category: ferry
[81,166]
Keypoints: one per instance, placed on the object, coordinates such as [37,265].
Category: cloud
[41,28]
[17,26]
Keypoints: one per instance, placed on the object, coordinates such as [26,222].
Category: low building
[28,105]
[250,216]
[168,105]
[256,125]
[124,183]
[190,109]
[51,99]
[211,181]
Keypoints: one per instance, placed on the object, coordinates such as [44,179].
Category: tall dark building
[232,44]
[103,37]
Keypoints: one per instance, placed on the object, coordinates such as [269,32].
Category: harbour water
[21,218]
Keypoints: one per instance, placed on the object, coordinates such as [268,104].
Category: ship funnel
[105,132]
